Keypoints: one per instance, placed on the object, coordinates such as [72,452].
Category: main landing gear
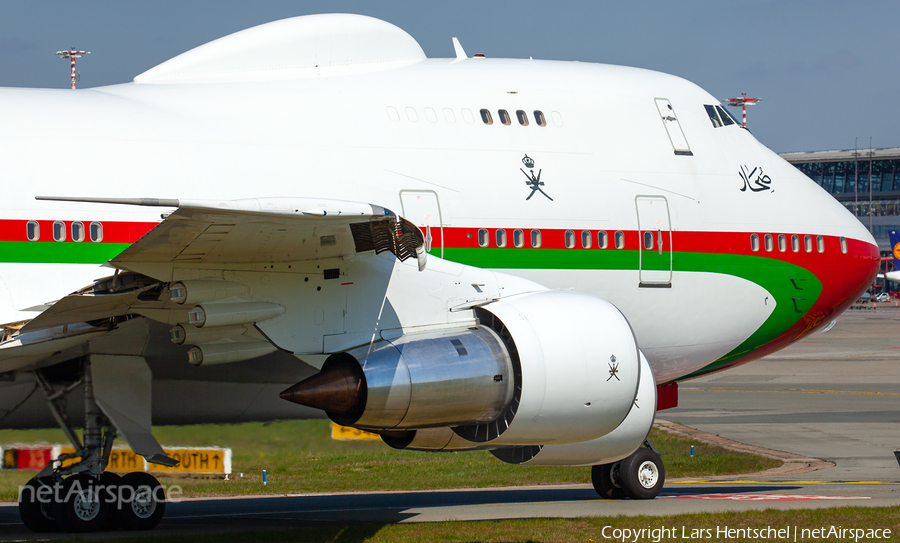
[74,493]
[639,476]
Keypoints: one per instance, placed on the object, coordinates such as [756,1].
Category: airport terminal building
[866,182]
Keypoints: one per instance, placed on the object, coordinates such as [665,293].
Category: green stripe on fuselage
[51,252]
[794,288]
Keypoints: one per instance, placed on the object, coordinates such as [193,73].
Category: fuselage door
[422,208]
[673,127]
[655,229]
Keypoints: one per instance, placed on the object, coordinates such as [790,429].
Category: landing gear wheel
[80,508]
[109,493]
[143,501]
[36,506]
[642,475]
[605,479]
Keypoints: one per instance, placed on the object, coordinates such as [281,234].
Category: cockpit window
[713,117]
[725,116]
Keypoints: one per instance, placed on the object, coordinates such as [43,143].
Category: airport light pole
[72,54]
[743,101]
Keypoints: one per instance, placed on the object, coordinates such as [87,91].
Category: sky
[826,70]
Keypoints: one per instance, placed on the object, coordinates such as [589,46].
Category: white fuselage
[417,130]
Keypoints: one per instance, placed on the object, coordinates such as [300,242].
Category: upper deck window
[522,117]
[713,116]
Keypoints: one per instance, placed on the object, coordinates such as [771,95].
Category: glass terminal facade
[849,175]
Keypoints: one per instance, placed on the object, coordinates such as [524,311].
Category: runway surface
[833,396]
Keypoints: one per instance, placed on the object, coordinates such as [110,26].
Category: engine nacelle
[579,369]
[542,368]
[614,446]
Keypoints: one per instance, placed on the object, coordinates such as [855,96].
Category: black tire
[36,506]
[80,508]
[109,492]
[605,479]
[642,475]
[143,503]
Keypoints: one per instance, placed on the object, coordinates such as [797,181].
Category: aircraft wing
[231,232]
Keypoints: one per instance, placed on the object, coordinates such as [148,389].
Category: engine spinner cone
[339,389]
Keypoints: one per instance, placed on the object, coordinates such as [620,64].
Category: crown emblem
[528,162]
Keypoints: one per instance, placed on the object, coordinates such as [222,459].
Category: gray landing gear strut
[74,493]
[640,476]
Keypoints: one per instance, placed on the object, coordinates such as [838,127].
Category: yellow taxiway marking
[740,481]
[795,390]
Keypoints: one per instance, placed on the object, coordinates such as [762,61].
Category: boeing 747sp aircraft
[468,253]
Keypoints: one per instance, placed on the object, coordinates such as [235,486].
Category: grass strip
[301,457]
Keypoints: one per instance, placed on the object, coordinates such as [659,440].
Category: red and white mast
[743,101]
[72,54]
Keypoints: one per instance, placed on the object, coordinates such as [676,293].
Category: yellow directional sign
[210,460]
[346,433]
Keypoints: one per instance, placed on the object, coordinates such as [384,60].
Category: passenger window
[586,239]
[393,114]
[59,231]
[449,116]
[843,245]
[486,117]
[523,117]
[620,239]
[713,116]
[518,238]
[33,231]
[769,243]
[483,239]
[648,240]
[570,239]
[726,117]
[535,238]
[501,237]
[795,243]
[430,115]
[820,244]
[557,118]
[602,239]
[77,231]
[504,116]
[96,232]
[782,243]
[539,118]
[754,242]
[467,115]
[412,115]
[807,241]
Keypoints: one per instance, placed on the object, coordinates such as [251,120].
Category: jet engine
[541,368]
